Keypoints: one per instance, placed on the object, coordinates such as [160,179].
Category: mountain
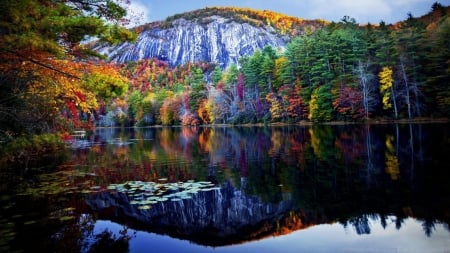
[219,34]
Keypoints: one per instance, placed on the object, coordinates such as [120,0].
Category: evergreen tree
[437,67]
[408,40]
[320,105]
[216,75]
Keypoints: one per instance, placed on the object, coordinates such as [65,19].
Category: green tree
[437,67]
[408,40]
[282,72]
[135,105]
[216,75]
[267,69]
[231,75]
[320,105]
[197,85]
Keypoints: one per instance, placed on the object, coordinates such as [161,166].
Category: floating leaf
[29,222]
[111,187]
[66,218]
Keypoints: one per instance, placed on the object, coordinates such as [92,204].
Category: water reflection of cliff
[277,180]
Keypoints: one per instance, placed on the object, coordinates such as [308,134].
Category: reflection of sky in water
[410,238]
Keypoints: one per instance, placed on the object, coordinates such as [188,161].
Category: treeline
[283,24]
[343,72]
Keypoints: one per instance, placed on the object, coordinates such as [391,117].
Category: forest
[343,72]
[52,82]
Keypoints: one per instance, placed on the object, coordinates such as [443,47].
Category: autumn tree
[293,103]
[387,90]
[38,44]
[349,104]
[277,110]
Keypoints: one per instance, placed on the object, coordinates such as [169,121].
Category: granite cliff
[217,35]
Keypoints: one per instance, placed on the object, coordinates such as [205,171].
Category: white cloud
[406,2]
[371,10]
[138,13]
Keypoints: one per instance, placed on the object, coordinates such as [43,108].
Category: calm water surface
[358,188]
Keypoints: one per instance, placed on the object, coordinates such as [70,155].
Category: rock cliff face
[219,216]
[215,39]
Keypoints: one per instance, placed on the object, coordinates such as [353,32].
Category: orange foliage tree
[45,73]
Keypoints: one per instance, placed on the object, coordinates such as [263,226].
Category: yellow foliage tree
[392,163]
[386,81]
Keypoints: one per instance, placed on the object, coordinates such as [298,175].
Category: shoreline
[305,123]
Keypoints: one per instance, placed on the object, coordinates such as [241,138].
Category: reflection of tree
[328,172]
[392,164]
[79,236]
[109,242]
[348,142]
[322,142]
[361,224]
[428,226]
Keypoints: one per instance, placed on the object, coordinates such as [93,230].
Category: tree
[320,105]
[231,75]
[197,86]
[170,111]
[384,46]
[437,66]
[59,27]
[282,72]
[387,89]
[276,107]
[408,41]
[293,103]
[135,106]
[349,104]
[251,68]
[365,83]
[38,45]
[216,75]
[267,69]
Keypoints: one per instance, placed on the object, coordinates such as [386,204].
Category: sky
[363,11]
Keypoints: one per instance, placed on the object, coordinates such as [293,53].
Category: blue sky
[363,11]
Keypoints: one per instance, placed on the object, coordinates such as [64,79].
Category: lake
[325,188]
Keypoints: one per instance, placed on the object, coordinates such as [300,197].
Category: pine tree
[320,105]
[216,75]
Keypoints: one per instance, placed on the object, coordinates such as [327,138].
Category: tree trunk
[407,96]
[365,89]
[394,101]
